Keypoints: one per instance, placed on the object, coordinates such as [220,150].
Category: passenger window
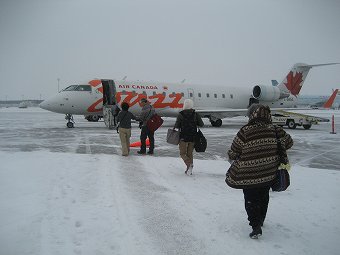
[223,95]
[191,95]
[154,93]
[231,96]
[182,94]
[199,94]
[208,95]
[215,95]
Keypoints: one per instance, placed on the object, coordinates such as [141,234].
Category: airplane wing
[228,113]
[222,112]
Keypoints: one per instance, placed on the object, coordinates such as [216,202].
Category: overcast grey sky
[223,42]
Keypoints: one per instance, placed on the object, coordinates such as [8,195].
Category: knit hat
[252,108]
[188,104]
[261,113]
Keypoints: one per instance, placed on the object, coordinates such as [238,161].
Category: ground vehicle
[291,119]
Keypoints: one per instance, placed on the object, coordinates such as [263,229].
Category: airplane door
[109,92]
[191,94]
[109,98]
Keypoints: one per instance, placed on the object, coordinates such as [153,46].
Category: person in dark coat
[187,122]
[255,160]
[124,127]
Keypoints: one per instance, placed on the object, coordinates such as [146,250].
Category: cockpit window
[71,88]
[78,88]
[84,88]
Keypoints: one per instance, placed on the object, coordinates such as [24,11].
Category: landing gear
[70,121]
[92,118]
[215,122]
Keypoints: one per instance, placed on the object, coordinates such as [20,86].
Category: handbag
[282,179]
[200,142]
[154,122]
[172,136]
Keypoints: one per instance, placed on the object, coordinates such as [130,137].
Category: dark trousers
[114,120]
[256,203]
[145,132]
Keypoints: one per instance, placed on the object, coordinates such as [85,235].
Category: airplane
[212,102]
[315,101]
[330,101]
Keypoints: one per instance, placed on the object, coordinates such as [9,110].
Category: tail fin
[330,100]
[294,80]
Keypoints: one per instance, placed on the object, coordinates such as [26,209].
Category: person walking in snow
[124,127]
[147,112]
[254,162]
[187,122]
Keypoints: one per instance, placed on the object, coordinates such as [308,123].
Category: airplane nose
[43,105]
[47,105]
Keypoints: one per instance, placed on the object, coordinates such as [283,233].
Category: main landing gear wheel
[216,123]
[69,124]
[95,118]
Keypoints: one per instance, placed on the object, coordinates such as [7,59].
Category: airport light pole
[58,79]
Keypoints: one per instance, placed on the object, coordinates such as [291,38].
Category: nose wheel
[70,121]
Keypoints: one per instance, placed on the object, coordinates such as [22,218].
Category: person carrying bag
[147,112]
[254,163]
[187,122]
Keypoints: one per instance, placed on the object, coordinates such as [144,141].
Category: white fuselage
[167,98]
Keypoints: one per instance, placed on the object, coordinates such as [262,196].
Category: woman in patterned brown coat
[255,162]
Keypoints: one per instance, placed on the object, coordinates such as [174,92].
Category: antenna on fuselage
[124,78]
[183,81]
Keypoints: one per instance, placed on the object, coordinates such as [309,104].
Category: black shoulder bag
[282,180]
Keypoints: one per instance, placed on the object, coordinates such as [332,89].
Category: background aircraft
[213,102]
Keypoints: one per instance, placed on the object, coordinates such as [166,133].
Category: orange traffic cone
[138,144]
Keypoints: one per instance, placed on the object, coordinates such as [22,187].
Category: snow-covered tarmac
[68,191]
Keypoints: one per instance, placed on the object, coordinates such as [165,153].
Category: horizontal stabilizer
[328,64]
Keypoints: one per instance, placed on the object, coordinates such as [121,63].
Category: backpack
[188,127]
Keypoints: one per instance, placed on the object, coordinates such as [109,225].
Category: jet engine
[266,93]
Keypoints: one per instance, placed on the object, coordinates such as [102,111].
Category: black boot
[257,232]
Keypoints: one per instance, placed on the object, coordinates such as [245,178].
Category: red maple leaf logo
[293,82]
